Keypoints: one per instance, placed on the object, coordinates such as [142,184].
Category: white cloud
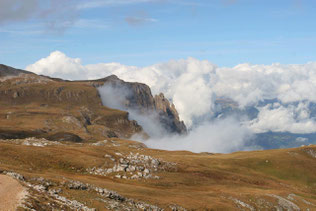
[57,64]
[193,86]
[301,139]
[278,118]
[221,136]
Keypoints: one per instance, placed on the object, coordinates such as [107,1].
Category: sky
[146,32]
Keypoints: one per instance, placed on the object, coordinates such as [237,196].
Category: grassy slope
[202,181]
[39,108]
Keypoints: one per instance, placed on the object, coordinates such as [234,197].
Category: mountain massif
[69,151]
[33,105]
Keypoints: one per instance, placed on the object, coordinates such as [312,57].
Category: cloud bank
[194,85]
[221,136]
[278,118]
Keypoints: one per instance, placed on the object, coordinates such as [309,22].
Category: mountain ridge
[74,105]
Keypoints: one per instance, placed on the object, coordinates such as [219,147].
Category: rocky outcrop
[138,96]
[169,115]
[44,194]
[133,166]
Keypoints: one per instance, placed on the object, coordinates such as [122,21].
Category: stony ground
[116,174]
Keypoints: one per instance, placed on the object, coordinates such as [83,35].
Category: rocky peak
[139,97]
[164,105]
[169,114]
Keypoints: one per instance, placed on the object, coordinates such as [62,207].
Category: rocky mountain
[140,98]
[33,105]
[169,115]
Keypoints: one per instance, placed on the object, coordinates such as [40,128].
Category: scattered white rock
[308,203]
[175,207]
[311,152]
[32,141]
[115,144]
[242,204]
[285,204]
[14,175]
[134,166]
[100,143]
[291,196]
[72,120]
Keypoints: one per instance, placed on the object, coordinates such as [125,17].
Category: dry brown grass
[201,181]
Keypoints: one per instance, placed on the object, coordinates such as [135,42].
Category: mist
[216,136]
[116,97]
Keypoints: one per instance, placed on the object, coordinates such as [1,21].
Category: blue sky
[144,32]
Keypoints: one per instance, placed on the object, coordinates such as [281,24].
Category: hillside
[117,174]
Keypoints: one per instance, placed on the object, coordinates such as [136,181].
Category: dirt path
[11,193]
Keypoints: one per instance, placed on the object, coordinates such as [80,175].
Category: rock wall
[139,97]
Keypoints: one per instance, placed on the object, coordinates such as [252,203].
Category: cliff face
[140,98]
[169,115]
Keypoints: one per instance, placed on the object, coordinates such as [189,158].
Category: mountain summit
[33,105]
